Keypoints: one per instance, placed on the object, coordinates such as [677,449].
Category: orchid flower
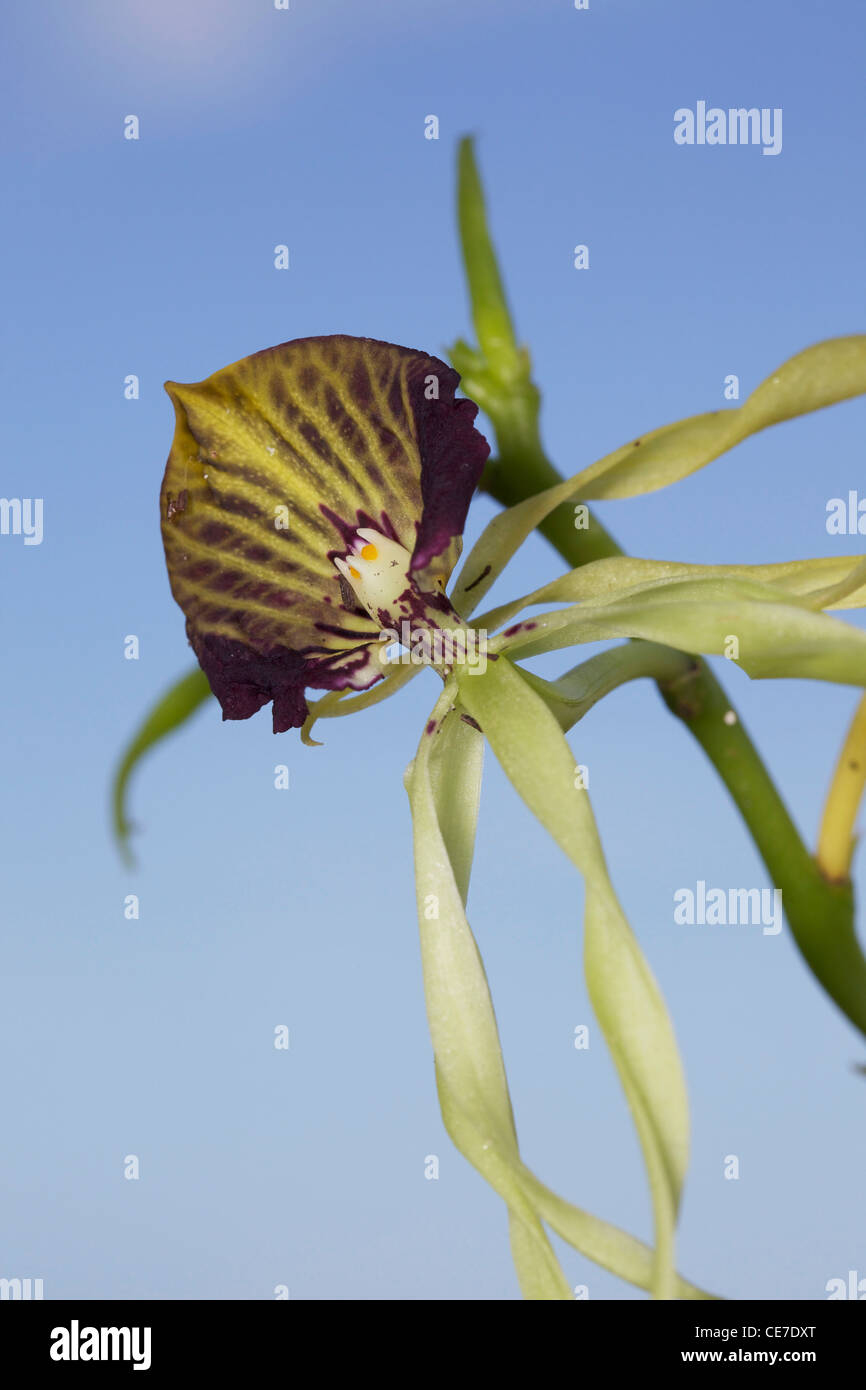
[312,513]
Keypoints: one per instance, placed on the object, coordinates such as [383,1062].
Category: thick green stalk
[498,376]
[820,913]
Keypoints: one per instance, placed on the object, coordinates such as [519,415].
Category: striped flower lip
[315,494]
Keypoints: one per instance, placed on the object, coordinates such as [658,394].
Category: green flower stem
[820,913]
[490,312]
[498,376]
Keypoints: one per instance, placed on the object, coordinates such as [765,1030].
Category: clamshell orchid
[314,498]
[312,511]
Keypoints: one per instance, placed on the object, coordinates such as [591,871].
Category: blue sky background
[262,907]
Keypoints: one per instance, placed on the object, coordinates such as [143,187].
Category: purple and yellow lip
[288,470]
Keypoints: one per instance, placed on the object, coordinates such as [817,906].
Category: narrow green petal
[455,766]
[574,693]
[171,710]
[829,582]
[459,1009]
[848,591]
[444,784]
[471,1081]
[530,745]
[765,635]
[338,703]
[821,375]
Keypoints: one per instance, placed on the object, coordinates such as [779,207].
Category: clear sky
[259,907]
